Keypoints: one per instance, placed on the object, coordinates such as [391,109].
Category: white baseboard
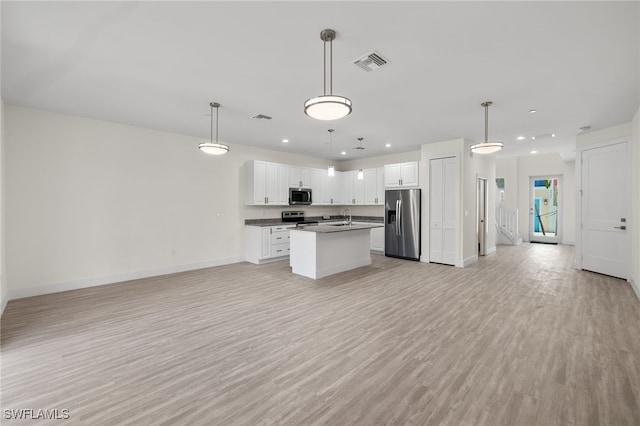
[468,261]
[568,243]
[112,279]
[491,250]
[635,287]
[4,297]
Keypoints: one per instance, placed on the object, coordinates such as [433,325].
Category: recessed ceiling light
[553,135]
[534,152]
[533,111]
[285,140]
[387,145]
[343,153]
[521,138]
[533,137]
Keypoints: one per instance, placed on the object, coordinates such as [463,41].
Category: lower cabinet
[377,239]
[267,243]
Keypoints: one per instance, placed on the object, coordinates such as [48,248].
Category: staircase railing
[507,222]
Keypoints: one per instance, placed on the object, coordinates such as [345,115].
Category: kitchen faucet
[344,213]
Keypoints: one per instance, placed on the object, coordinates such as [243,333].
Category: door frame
[482,201]
[425,184]
[558,238]
[578,173]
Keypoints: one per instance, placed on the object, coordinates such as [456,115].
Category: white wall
[635,202]
[478,166]
[517,172]
[507,168]
[91,202]
[4,292]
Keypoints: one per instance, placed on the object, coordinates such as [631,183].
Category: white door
[545,200]
[444,188]
[605,206]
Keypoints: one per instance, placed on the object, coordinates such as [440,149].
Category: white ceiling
[159,64]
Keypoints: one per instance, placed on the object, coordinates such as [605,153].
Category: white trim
[578,176]
[635,287]
[117,278]
[468,261]
[568,243]
[5,300]
[491,250]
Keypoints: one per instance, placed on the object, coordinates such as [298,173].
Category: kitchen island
[318,251]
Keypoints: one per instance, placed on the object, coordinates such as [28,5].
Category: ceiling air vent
[261,117]
[371,61]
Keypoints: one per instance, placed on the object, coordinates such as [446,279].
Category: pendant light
[328,106]
[211,147]
[486,147]
[331,170]
[360,174]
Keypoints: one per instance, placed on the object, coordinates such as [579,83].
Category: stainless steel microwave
[299,196]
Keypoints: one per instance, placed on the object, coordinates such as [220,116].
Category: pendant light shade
[486,147]
[360,174]
[214,148]
[328,106]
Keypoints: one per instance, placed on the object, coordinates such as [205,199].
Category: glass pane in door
[544,210]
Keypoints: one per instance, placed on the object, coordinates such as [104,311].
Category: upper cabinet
[262,183]
[374,186]
[401,175]
[353,188]
[299,177]
[331,191]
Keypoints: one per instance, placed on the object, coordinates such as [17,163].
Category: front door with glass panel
[544,209]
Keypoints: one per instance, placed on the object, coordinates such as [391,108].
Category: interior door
[444,187]
[544,209]
[605,206]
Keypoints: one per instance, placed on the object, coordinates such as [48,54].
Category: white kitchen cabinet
[401,175]
[261,183]
[282,189]
[331,191]
[377,238]
[374,186]
[316,186]
[353,188]
[299,177]
[267,243]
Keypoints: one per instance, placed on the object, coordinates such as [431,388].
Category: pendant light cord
[331,67]
[486,123]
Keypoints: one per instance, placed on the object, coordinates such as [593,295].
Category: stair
[507,226]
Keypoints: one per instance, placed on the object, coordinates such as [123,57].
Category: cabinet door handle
[620,227]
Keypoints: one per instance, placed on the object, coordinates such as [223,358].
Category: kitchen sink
[338,224]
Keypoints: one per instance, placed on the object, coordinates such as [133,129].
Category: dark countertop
[328,228]
[339,218]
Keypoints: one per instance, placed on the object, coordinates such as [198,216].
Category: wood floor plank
[520,338]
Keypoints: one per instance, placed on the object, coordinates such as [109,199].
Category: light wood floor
[521,338]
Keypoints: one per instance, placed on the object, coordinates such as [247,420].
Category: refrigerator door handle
[397,218]
[400,218]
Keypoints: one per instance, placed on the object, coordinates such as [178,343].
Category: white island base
[317,255]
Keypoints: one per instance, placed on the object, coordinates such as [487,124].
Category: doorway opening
[482,213]
[544,209]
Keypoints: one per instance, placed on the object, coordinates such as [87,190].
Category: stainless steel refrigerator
[402,223]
